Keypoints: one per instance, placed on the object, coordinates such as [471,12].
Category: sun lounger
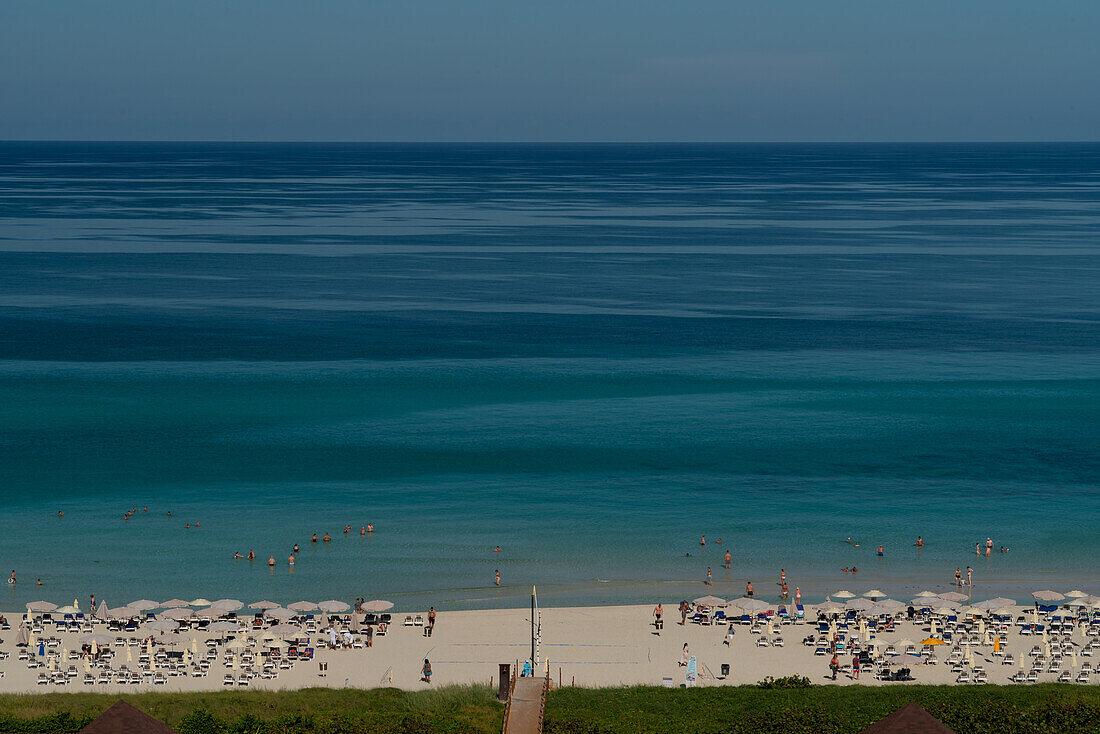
[1084,676]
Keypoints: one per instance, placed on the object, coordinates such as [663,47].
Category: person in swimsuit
[988,546]
[498,577]
[880,550]
[370,528]
[683,612]
[657,623]
[12,579]
[327,538]
[958,577]
[295,547]
[920,542]
[708,581]
[313,539]
[290,560]
[237,554]
[703,540]
[854,569]
[969,576]
[783,591]
[728,559]
[496,550]
[797,595]
[363,530]
[271,561]
[431,622]
[748,589]
[251,554]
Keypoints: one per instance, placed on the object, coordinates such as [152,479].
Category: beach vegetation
[784,705]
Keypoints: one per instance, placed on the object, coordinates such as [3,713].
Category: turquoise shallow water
[589,356]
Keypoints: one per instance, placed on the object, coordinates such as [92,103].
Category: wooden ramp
[526,705]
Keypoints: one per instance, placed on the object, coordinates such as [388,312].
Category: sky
[555,70]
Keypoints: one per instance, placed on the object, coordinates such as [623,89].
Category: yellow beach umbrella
[932,641]
[997,643]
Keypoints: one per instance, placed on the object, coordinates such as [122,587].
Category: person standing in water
[498,577]
[708,581]
[703,540]
[728,559]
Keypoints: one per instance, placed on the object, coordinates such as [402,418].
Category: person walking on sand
[658,624]
[498,577]
[797,595]
[728,559]
[834,665]
[708,581]
[855,666]
[431,623]
[683,612]
[426,671]
[684,656]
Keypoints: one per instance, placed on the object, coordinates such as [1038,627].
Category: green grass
[1048,708]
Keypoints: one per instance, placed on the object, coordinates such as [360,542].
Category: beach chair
[1008,660]
[1084,676]
[963,677]
[777,642]
[1032,676]
[1065,677]
[762,641]
[228,680]
[820,651]
[1018,677]
[408,621]
[89,680]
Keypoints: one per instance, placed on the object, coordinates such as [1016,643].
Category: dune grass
[1049,708]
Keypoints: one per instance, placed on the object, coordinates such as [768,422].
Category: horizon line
[549,142]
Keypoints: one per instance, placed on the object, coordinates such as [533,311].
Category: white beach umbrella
[171,638]
[754,605]
[377,605]
[874,594]
[100,612]
[264,605]
[830,606]
[122,613]
[843,594]
[67,610]
[333,606]
[144,605]
[280,613]
[223,627]
[993,604]
[302,606]
[953,596]
[858,603]
[940,604]
[200,602]
[174,604]
[227,605]
[102,640]
[237,643]
[41,606]
[178,613]
[902,643]
[285,629]
[926,592]
[1076,594]
[886,606]
[1048,595]
[710,601]
[163,625]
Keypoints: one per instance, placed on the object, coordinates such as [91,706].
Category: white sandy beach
[584,646]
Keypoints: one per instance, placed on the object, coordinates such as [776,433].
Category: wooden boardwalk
[526,705]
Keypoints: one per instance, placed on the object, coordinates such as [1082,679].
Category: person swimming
[496,550]
[237,555]
[251,554]
[290,561]
[295,547]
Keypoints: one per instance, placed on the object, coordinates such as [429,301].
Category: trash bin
[725,669]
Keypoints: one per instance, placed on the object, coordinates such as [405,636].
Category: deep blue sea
[589,355]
